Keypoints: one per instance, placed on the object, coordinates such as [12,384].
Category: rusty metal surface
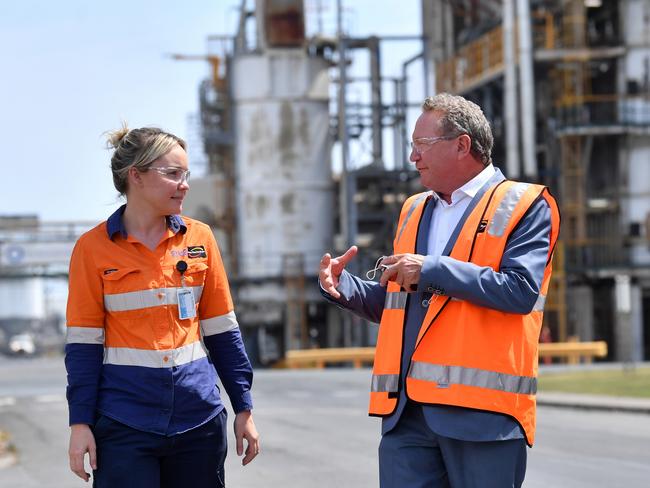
[284,23]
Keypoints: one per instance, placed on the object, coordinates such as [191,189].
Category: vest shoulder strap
[411,213]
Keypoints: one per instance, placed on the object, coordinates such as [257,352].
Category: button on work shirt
[129,355]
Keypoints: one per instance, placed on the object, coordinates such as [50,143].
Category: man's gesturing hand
[331,269]
[403,269]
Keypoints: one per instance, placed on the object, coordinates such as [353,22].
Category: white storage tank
[22,297]
[283,175]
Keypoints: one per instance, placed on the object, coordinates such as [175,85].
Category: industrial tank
[283,177]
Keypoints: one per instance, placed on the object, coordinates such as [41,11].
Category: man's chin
[423,182]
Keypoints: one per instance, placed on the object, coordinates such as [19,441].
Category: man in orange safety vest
[460,305]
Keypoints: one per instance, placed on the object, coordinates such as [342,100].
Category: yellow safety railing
[319,358]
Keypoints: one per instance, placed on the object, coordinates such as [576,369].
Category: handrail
[318,358]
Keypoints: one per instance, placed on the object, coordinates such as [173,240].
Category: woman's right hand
[82,441]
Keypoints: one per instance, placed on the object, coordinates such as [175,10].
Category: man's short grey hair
[460,116]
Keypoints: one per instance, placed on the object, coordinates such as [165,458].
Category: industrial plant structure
[565,85]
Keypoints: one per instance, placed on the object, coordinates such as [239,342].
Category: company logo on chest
[189,252]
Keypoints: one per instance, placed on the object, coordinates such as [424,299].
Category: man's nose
[415,156]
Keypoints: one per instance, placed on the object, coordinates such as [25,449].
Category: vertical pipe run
[345,195]
[375,101]
[527,90]
[398,150]
[347,209]
[404,104]
[510,92]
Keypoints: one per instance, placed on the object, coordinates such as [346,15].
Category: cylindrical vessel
[283,175]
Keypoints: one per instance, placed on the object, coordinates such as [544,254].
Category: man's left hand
[403,269]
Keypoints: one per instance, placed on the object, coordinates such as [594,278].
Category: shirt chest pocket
[193,276]
[122,280]
[125,290]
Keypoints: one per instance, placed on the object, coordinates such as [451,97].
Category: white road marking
[49,398]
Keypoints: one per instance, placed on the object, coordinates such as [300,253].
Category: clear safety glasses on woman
[177,175]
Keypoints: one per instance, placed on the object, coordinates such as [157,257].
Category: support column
[623,330]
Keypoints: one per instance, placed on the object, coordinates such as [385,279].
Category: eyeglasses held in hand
[378,267]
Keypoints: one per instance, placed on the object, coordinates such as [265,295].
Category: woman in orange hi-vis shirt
[150,326]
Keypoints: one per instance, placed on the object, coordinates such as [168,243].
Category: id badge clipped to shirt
[186,303]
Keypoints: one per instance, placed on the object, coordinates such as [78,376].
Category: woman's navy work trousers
[130,458]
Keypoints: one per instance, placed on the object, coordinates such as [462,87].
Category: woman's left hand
[245,429]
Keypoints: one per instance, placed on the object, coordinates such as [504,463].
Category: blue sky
[72,69]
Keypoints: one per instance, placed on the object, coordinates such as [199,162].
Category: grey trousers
[413,456]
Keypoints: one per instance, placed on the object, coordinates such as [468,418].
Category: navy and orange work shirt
[128,354]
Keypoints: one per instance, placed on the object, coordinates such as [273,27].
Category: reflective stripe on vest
[459,375]
[385,382]
[507,205]
[419,200]
[395,300]
[539,304]
[135,300]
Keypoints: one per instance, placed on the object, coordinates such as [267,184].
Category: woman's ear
[135,178]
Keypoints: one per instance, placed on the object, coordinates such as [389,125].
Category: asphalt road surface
[315,433]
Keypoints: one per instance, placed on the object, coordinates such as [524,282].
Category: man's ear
[464,146]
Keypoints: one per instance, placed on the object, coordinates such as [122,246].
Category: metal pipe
[510,92]
[404,104]
[240,37]
[527,90]
[376,102]
[348,217]
[347,207]
[398,141]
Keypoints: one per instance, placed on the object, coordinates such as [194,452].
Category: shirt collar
[115,223]
[471,188]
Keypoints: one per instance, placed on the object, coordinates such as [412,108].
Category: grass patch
[630,383]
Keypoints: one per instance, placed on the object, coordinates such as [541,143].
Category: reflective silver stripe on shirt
[417,201]
[395,300]
[167,358]
[506,207]
[539,304]
[220,324]
[154,297]
[384,382]
[84,335]
[459,375]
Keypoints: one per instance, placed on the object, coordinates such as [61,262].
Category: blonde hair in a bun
[137,148]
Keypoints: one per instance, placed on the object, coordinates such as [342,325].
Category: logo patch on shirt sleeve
[196,252]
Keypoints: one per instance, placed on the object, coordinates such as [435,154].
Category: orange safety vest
[467,355]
